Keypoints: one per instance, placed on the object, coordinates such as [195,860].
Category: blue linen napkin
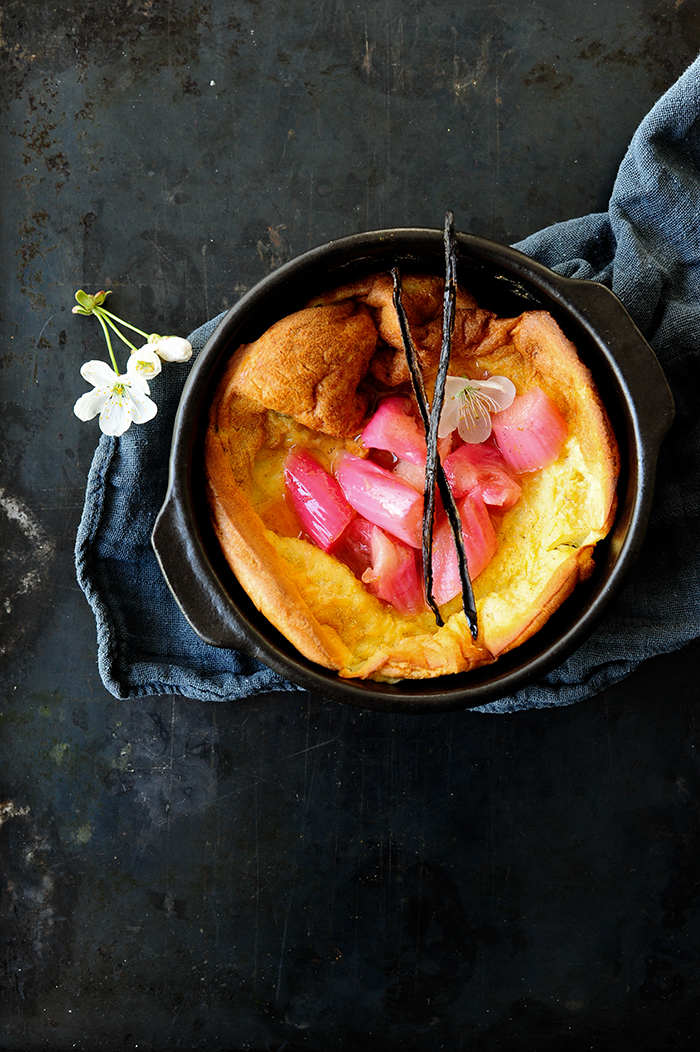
[647,249]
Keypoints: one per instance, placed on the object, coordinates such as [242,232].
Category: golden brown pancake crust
[310,380]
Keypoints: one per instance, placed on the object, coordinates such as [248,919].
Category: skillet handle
[205,606]
[638,370]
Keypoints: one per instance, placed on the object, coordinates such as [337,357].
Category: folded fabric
[647,249]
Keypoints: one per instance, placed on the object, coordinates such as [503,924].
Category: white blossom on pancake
[469,403]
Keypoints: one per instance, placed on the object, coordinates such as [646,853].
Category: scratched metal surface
[287,873]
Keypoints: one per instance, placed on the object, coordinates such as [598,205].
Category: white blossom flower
[119,399]
[144,362]
[123,398]
[469,403]
[170,348]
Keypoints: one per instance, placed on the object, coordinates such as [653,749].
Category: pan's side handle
[638,370]
[205,606]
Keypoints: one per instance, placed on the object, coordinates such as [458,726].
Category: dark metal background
[288,873]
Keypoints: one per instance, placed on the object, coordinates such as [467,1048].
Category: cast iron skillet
[630,381]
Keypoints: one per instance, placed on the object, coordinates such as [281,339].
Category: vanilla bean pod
[435,473]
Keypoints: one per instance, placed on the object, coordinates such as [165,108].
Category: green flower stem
[109,343]
[108,314]
[99,312]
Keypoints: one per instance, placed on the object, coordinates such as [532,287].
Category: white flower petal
[475,428]
[116,415]
[452,406]
[143,363]
[454,385]
[499,390]
[99,374]
[136,382]
[90,404]
[143,408]
[173,349]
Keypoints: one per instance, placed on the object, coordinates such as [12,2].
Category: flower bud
[172,348]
